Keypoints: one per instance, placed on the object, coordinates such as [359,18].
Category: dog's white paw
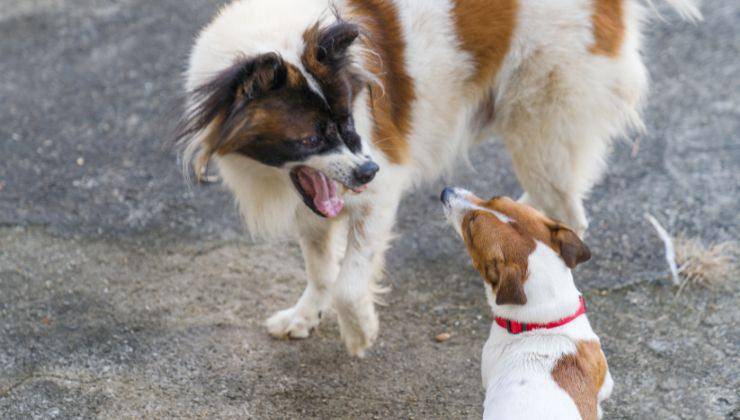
[292,323]
[358,324]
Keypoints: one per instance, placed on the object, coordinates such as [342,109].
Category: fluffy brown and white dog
[301,103]
[542,359]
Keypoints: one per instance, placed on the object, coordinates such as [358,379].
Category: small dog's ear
[335,40]
[572,249]
[510,285]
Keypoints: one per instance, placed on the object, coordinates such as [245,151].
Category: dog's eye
[310,142]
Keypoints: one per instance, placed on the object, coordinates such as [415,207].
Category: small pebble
[80,161]
[441,338]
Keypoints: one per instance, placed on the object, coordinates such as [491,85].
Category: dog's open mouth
[319,192]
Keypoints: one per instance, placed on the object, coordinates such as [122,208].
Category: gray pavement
[126,294]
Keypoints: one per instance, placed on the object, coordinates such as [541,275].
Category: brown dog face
[296,116]
[500,234]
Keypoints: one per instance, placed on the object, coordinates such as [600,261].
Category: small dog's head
[295,116]
[500,234]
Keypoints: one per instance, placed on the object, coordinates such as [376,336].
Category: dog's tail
[688,9]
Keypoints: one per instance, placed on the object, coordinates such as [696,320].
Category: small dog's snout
[366,172]
[447,193]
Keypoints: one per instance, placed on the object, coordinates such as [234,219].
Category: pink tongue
[324,190]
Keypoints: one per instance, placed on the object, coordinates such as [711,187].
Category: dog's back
[546,376]
[528,395]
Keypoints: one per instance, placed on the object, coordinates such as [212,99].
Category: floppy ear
[572,249]
[228,93]
[243,81]
[510,285]
[335,40]
[222,100]
[261,74]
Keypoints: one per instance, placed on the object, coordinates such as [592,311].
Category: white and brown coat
[526,258]
[407,86]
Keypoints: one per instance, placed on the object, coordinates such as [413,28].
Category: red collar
[515,327]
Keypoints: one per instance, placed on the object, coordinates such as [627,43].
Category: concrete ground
[125,294]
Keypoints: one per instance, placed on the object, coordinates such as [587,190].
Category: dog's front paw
[292,323]
[358,324]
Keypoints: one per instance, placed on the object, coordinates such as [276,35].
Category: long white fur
[557,108]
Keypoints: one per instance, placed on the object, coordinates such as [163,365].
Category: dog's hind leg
[322,243]
[558,122]
[556,175]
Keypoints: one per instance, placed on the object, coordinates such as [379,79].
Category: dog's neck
[551,296]
[549,288]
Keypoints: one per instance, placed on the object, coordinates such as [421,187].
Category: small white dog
[302,103]
[542,359]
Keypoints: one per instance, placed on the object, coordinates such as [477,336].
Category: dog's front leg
[369,233]
[322,242]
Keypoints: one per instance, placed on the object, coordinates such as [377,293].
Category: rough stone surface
[124,293]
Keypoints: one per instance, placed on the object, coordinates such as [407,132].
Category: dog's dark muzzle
[447,194]
[365,173]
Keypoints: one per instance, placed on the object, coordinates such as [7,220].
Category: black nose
[446,194]
[366,172]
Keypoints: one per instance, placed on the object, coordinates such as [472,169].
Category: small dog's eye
[310,142]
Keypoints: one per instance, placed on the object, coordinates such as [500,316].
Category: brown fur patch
[325,57]
[391,103]
[309,58]
[294,78]
[531,223]
[608,27]
[260,107]
[485,28]
[499,254]
[500,250]
[581,376]
[271,119]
